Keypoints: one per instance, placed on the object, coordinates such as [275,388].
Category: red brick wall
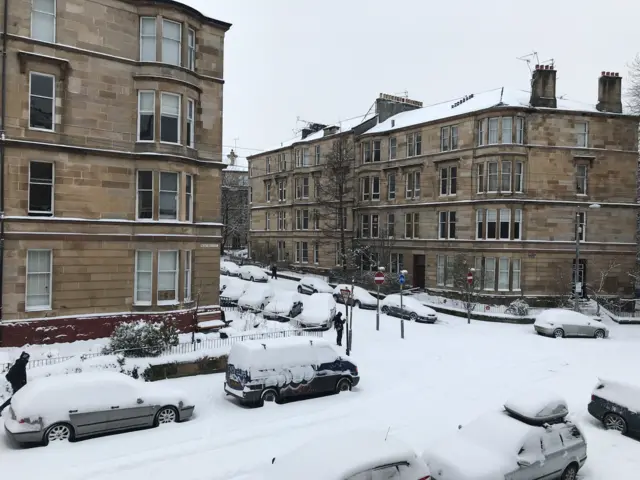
[70,329]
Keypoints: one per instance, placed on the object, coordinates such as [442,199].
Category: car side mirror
[139,401]
[523,462]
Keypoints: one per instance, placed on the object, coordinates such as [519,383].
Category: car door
[89,412]
[398,471]
[529,459]
[554,453]
[328,370]
[128,409]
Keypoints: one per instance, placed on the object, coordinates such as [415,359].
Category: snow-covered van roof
[332,457]
[280,343]
[499,97]
[276,353]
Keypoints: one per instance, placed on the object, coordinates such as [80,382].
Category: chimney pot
[602,73]
[537,67]
[610,92]
[543,87]
[617,74]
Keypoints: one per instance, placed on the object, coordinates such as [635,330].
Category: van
[274,370]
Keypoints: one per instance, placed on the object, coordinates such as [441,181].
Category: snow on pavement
[422,387]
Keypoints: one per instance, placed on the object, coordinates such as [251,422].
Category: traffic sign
[379,278]
[401,279]
[346,293]
[469,278]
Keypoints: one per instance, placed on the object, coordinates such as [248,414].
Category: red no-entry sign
[379,278]
[470,278]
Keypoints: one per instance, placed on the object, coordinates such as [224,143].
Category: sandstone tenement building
[504,176]
[112,157]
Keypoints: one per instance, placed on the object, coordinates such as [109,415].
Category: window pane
[170,104]
[38,286]
[40,198]
[171,30]
[167,261]
[147,102]
[145,180]
[42,85]
[503,276]
[43,26]
[169,181]
[515,283]
[45,6]
[144,261]
[148,26]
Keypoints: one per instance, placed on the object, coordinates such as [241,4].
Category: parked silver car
[529,440]
[559,323]
[69,407]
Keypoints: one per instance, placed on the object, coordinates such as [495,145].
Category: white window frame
[176,272]
[391,225]
[267,221]
[191,115]
[306,162]
[480,224]
[35,12]
[517,219]
[153,199]
[188,197]
[441,270]
[494,121]
[365,187]
[177,193]
[53,102]
[191,49]
[154,36]
[582,181]
[495,175]
[393,148]
[582,134]
[481,130]
[375,221]
[188,272]
[375,194]
[518,176]
[316,253]
[376,146]
[317,154]
[136,272]
[487,285]
[506,178]
[445,139]
[267,191]
[582,226]
[179,116]
[141,93]
[507,132]
[449,279]
[391,193]
[179,41]
[480,178]
[448,180]
[503,268]
[516,274]
[492,212]
[506,213]
[38,308]
[37,213]
[519,140]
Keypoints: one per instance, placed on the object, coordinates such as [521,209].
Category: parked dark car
[261,371]
[617,406]
[283,306]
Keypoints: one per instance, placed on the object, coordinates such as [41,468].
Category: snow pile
[282,302]
[618,392]
[319,309]
[560,316]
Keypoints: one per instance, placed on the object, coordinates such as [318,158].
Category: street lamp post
[470,280]
[404,274]
[576,271]
[350,324]
[380,269]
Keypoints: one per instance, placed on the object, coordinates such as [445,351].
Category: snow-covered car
[411,308]
[318,312]
[361,298]
[69,407]
[367,455]
[283,306]
[231,289]
[252,273]
[229,268]
[530,439]
[256,297]
[616,405]
[311,285]
[560,323]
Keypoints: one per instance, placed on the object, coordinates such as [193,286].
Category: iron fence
[478,307]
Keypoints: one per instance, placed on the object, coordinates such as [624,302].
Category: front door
[582,275]
[419,267]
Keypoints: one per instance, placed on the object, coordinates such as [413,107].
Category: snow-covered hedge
[142,339]
[518,307]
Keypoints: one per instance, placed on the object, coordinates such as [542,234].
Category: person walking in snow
[17,376]
[338,323]
[274,271]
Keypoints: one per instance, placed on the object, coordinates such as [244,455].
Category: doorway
[419,268]
[582,276]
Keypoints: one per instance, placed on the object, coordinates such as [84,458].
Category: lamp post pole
[403,274]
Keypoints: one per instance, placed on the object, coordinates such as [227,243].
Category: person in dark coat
[338,323]
[17,376]
[274,271]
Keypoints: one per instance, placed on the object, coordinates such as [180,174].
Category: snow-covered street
[422,387]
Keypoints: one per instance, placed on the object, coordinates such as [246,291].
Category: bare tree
[457,274]
[234,207]
[599,288]
[336,190]
[633,90]
[564,287]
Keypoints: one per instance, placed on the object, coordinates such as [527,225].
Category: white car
[311,285]
[529,439]
[559,323]
[229,268]
[318,311]
[361,298]
[411,308]
[283,306]
[359,455]
[76,405]
[252,273]
[231,289]
[256,297]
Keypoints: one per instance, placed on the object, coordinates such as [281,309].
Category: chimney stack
[543,87]
[311,128]
[610,92]
[232,158]
[389,105]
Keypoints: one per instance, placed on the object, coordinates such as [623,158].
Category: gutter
[3,117]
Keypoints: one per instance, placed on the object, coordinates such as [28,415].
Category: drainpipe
[3,118]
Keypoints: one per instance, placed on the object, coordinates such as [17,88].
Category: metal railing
[478,308]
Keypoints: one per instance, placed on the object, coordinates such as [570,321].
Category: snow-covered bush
[142,339]
[519,307]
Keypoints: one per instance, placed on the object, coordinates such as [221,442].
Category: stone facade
[512,205]
[112,150]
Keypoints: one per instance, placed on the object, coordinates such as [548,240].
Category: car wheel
[251,279]
[558,333]
[385,309]
[299,289]
[599,333]
[269,395]
[344,385]
[413,316]
[166,415]
[59,432]
[613,421]
[570,473]
[357,304]
[262,307]
[313,292]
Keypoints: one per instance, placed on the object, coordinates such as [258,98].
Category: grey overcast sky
[328,60]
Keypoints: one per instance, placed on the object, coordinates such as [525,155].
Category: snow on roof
[280,343]
[499,97]
[331,458]
[561,316]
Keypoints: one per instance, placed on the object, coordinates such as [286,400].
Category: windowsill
[516,290]
[37,309]
[164,303]
[145,141]
[40,214]
[581,195]
[503,290]
[141,304]
[35,129]
[176,144]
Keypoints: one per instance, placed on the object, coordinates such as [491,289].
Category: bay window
[147,39]
[168,196]
[505,224]
[43,20]
[167,277]
[171,42]
[170,118]
[146,116]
